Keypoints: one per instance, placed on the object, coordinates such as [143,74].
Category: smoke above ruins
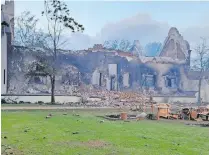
[147,24]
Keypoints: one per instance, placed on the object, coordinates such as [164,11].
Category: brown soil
[90,144]
[6,150]
[95,143]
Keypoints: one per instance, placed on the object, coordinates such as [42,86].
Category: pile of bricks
[117,98]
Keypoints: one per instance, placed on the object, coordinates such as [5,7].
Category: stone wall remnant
[175,46]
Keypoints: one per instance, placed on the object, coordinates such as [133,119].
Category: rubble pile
[113,98]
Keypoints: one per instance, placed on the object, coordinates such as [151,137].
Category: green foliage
[58,18]
[40,67]
[123,45]
[3,101]
[56,10]
[4,23]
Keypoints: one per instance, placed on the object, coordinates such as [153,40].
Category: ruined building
[166,74]
[115,70]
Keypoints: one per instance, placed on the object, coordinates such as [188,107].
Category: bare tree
[201,64]
[27,37]
[26,32]
[58,19]
[123,45]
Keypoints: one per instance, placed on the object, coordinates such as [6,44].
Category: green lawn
[30,133]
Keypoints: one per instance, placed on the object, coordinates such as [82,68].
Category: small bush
[3,101]
[28,102]
[14,102]
[151,116]
[21,102]
[40,102]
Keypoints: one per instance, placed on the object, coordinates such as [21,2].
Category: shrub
[21,102]
[3,101]
[28,102]
[14,102]
[40,102]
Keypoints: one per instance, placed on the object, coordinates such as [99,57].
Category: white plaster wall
[95,77]
[8,8]
[126,80]
[112,69]
[187,84]
[3,63]
[108,84]
[192,85]
[45,99]
[205,91]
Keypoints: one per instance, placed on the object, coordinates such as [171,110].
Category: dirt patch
[95,143]
[90,144]
[7,150]
[198,124]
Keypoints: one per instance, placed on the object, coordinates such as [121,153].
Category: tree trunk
[199,92]
[52,89]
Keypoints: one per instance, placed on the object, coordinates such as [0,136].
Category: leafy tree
[4,23]
[58,19]
[123,45]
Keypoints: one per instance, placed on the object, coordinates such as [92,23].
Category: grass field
[30,133]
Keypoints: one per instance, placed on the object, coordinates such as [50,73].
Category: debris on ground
[205,125]
[142,115]
[199,119]
[48,117]
[151,116]
[202,124]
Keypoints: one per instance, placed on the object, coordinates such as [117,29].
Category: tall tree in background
[136,48]
[28,36]
[114,44]
[26,32]
[201,64]
[58,19]
[123,45]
